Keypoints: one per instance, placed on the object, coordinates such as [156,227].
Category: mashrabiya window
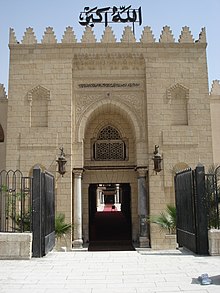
[109,145]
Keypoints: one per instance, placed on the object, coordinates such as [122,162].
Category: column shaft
[78,242]
[143,208]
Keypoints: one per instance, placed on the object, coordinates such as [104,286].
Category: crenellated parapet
[215,89]
[3,95]
[108,36]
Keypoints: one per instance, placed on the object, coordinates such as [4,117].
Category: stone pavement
[110,272]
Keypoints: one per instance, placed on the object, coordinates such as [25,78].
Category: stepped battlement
[215,89]
[3,95]
[108,36]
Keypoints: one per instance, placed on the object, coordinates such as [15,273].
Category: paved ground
[110,272]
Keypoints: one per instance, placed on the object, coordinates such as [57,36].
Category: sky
[59,14]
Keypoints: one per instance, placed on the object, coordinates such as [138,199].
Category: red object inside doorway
[110,208]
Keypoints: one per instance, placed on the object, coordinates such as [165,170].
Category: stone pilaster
[77,242]
[143,199]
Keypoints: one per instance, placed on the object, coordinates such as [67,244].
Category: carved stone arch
[38,98]
[177,90]
[178,99]
[2,136]
[40,91]
[123,108]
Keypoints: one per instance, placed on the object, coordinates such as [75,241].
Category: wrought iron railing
[212,189]
[15,201]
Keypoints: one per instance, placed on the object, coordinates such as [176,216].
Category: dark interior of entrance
[110,213]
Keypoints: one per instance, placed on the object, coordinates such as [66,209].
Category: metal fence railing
[212,190]
[15,201]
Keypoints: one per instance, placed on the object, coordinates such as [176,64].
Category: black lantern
[61,162]
[157,159]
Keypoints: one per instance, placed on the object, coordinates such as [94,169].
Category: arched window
[109,145]
[2,137]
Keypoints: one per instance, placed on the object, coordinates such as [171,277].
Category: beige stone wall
[15,246]
[153,92]
[215,118]
[3,123]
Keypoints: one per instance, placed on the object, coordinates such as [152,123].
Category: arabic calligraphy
[91,16]
[107,85]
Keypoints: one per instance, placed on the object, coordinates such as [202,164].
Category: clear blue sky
[39,14]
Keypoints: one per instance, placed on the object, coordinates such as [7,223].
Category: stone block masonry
[15,245]
[64,93]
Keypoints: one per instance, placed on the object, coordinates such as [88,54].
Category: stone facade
[152,93]
[215,118]
[3,126]
[15,245]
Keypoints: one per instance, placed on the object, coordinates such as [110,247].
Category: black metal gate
[15,201]
[43,212]
[212,188]
[191,210]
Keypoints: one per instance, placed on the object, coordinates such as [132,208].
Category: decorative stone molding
[142,171]
[12,37]
[88,36]
[186,36]
[78,172]
[29,37]
[128,36]
[69,36]
[38,91]
[3,95]
[133,101]
[124,61]
[84,102]
[147,35]
[108,36]
[120,107]
[49,36]
[108,85]
[176,90]
[202,36]
[215,90]
[166,35]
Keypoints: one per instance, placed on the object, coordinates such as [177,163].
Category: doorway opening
[110,216]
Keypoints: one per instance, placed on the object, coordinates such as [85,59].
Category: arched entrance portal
[110,216]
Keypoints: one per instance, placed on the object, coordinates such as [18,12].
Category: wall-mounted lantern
[61,162]
[157,160]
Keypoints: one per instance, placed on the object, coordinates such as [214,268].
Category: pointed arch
[121,107]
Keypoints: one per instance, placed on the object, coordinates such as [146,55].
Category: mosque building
[112,108]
